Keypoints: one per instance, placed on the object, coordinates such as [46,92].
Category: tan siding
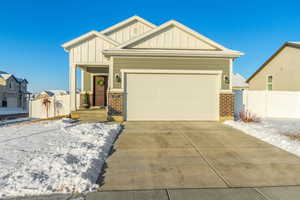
[87,81]
[128,32]
[285,69]
[2,81]
[90,51]
[173,38]
[172,64]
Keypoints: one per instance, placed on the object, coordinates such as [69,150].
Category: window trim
[269,83]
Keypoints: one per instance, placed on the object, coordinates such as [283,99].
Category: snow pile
[53,157]
[11,111]
[273,131]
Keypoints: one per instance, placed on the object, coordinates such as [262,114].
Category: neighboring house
[13,91]
[239,82]
[50,93]
[280,72]
[146,72]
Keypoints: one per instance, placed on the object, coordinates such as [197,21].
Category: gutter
[172,53]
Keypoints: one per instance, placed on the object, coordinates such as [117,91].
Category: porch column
[230,73]
[72,87]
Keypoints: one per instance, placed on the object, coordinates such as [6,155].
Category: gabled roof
[204,46]
[167,25]
[8,76]
[5,76]
[87,36]
[20,80]
[126,22]
[291,44]
[238,81]
[217,51]
[2,74]
[54,92]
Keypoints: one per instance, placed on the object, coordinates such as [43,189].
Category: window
[10,84]
[4,102]
[270,83]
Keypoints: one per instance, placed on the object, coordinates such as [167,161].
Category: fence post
[30,109]
[54,105]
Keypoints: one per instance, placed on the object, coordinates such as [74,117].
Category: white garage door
[172,97]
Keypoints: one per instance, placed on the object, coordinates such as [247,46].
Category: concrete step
[90,112]
[90,115]
[92,120]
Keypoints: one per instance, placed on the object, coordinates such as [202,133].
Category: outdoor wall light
[226,79]
[118,77]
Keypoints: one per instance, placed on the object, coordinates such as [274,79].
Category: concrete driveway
[161,155]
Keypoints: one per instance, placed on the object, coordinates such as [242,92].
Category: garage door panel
[172,97]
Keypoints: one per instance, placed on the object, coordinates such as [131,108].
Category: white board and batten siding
[128,32]
[90,51]
[268,104]
[173,38]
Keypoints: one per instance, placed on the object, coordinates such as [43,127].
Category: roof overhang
[172,53]
[86,36]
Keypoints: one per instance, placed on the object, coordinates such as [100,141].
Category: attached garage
[180,95]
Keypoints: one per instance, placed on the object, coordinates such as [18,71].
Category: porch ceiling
[87,65]
[96,69]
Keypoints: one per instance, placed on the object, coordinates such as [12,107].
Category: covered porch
[94,86]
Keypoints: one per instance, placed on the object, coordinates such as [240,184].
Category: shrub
[247,117]
[86,98]
[46,103]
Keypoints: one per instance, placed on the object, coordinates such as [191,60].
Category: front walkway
[170,155]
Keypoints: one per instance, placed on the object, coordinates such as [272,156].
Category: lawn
[283,133]
[53,157]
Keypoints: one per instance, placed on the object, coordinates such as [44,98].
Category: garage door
[172,97]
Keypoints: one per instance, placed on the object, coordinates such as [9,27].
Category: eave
[172,53]
[86,36]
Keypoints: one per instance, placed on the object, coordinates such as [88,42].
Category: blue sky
[32,31]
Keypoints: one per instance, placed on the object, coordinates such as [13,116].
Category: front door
[100,89]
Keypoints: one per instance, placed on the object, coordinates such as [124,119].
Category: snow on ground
[53,156]
[11,111]
[272,131]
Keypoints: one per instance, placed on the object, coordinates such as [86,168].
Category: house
[13,91]
[50,93]
[142,71]
[280,72]
[239,82]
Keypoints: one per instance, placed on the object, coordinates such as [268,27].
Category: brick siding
[115,103]
[226,106]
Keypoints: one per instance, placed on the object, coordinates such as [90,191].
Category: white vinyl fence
[272,104]
[59,105]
